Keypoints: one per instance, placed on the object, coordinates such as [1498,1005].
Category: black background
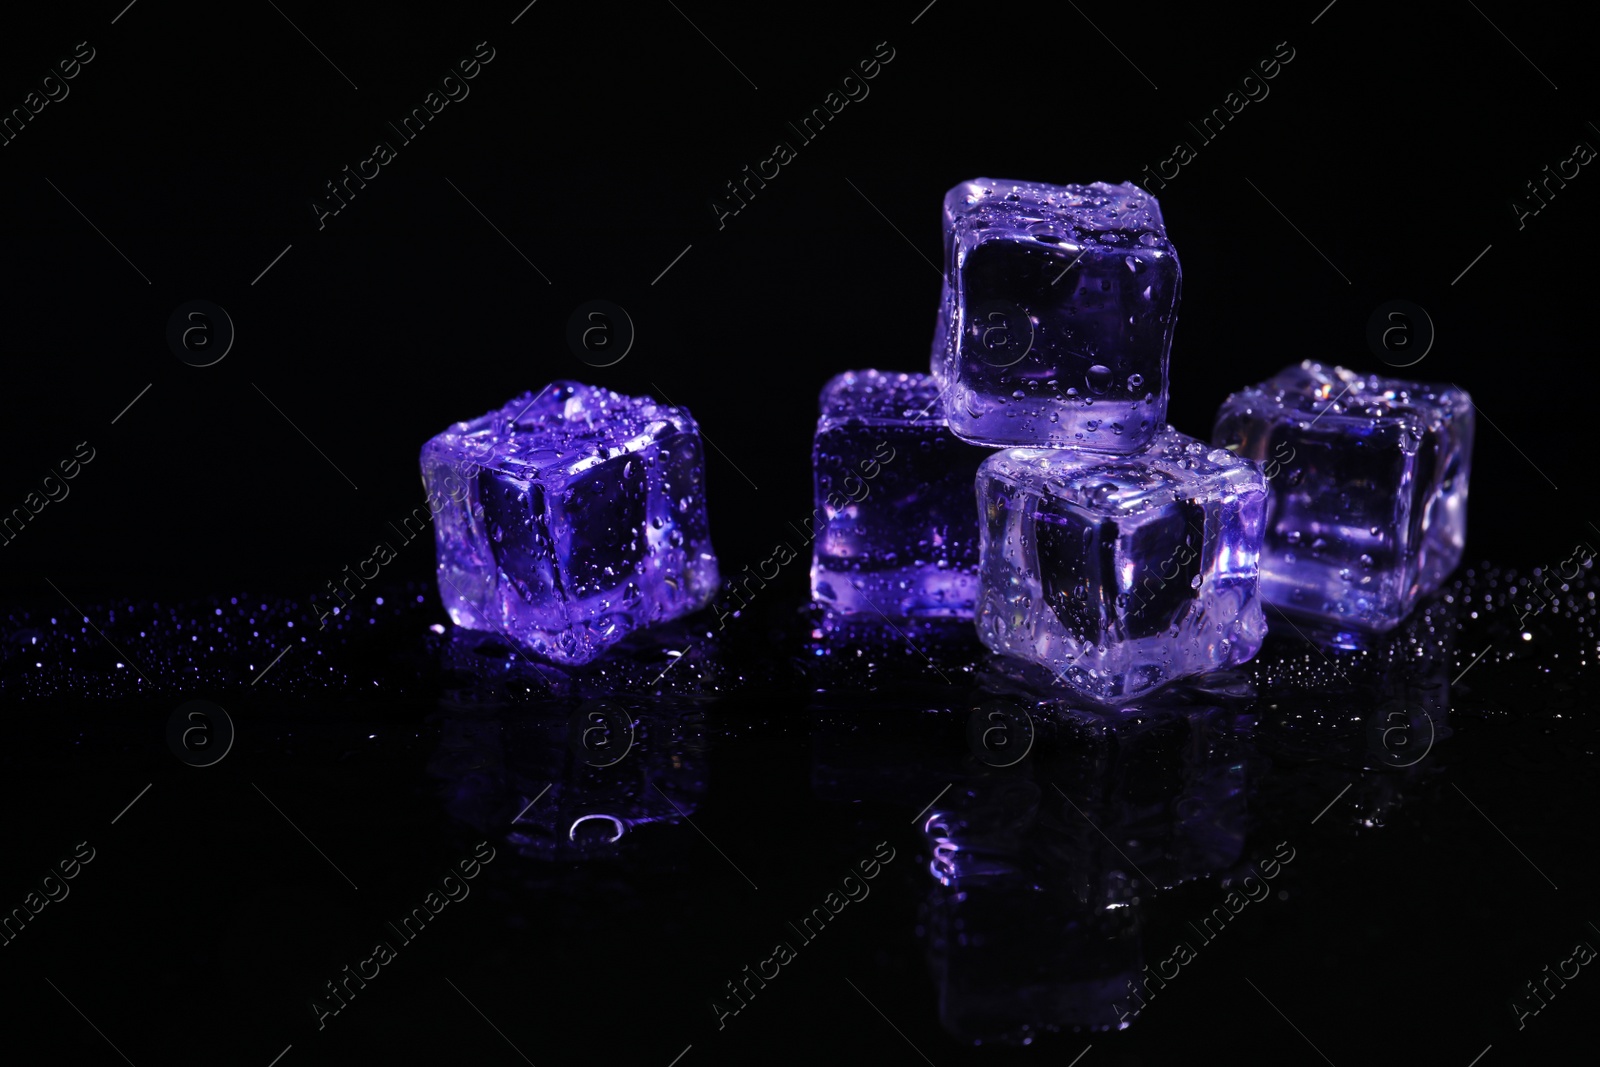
[1396,141]
[196,140]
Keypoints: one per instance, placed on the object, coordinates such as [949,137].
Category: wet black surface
[1353,850]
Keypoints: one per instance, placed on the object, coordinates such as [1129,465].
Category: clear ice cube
[1367,478]
[895,529]
[1121,573]
[1057,315]
[570,518]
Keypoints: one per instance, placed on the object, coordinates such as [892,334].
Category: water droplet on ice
[1099,378]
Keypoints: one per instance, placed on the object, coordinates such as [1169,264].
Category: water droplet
[1135,381]
[1098,378]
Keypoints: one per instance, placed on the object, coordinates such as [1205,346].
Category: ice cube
[1367,479]
[569,518]
[895,528]
[1121,573]
[1057,316]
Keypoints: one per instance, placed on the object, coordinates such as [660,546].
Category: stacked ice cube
[1104,546]
[1114,550]
[1110,548]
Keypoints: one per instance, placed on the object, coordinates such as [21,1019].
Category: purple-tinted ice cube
[1121,573]
[1368,488]
[1057,316]
[895,529]
[569,518]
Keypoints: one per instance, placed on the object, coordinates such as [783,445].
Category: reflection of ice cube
[570,518]
[1057,316]
[1368,488]
[1121,574]
[1034,913]
[564,781]
[895,528]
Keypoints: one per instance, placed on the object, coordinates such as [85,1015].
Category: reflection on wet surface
[1073,861]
